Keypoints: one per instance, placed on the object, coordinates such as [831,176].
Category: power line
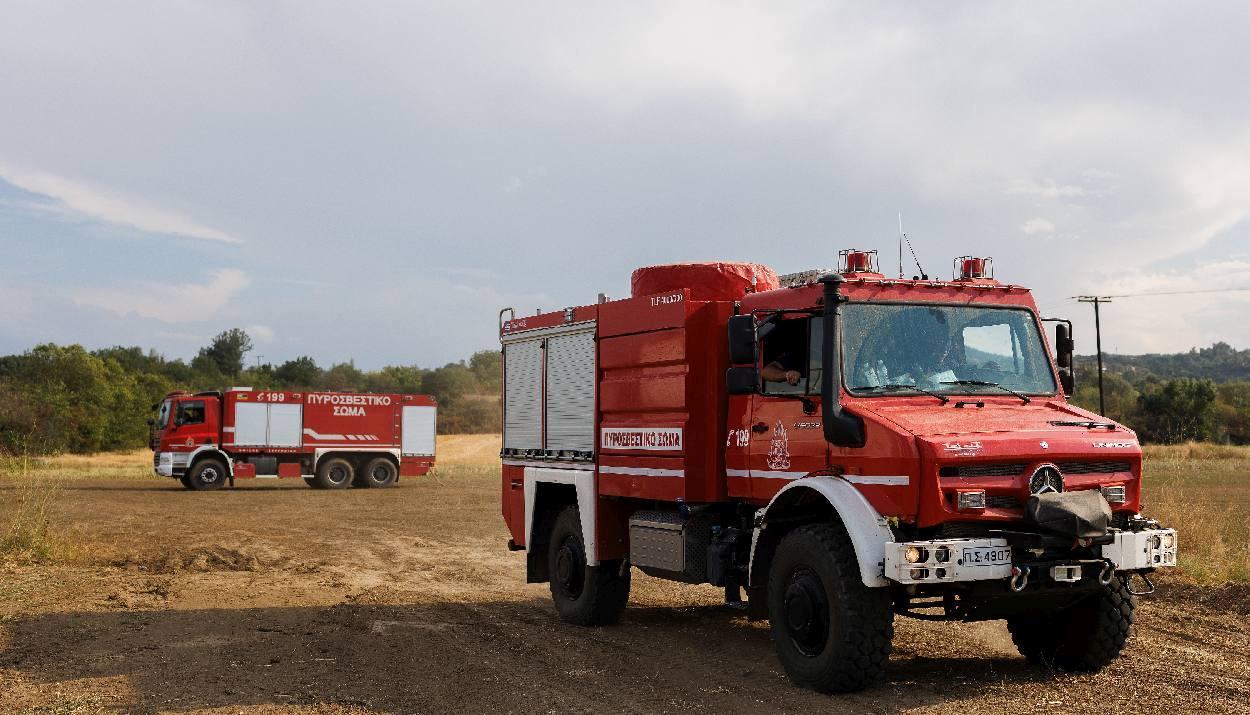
[1087,298]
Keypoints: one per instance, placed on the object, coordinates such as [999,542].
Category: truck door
[787,439]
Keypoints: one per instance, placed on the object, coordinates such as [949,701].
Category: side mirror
[1064,345]
[1067,381]
[742,380]
[742,341]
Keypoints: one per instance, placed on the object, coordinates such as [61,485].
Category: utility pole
[258,357]
[1097,300]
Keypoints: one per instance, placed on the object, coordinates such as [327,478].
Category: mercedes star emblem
[1047,478]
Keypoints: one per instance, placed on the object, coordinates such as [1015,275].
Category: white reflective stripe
[764,474]
[643,471]
[315,435]
[878,480]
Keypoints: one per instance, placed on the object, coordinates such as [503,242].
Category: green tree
[487,367]
[301,373]
[1119,393]
[448,384]
[1180,410]
[227,351]
[1233,411]
[343,376]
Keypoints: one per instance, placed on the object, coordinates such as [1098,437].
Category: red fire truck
[845,446]
[331,439]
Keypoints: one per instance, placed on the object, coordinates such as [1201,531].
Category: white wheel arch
[868,530]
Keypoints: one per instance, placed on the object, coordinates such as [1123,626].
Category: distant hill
[1218,363]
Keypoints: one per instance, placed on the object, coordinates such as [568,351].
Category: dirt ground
[275,598]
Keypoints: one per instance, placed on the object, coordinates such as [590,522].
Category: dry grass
[27,516]
[1203,490]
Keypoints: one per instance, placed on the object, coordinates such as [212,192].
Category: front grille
[1002,502]
[1094,467]
[984,470]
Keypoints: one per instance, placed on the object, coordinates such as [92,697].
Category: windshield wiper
[1089,424]
[879,388]
[985,383]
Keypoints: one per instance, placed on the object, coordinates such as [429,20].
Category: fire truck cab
[844,446]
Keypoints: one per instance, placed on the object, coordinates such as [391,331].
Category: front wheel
[584,595]
[1085,637]
[185,480]
[832,633]
[207,475]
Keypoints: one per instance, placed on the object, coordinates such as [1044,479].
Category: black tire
[334,473]
[1083,638]
[378,472]
[207,475]
[832,633]
[584,595]
[185,481]
[312,482]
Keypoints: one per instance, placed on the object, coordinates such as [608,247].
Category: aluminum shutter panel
[523,399]
[417,438]
[251,424]
[571,392]
[286,424]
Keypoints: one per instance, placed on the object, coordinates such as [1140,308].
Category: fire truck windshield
[162,416]
[943,348]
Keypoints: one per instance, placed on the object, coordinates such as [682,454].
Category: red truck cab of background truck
[938,472]
[333,440]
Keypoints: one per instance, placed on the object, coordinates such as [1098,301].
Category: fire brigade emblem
[779,449]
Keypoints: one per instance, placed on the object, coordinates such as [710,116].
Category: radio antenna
[901,238]
[900,245]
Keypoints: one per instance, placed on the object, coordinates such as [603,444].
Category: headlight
[915,554]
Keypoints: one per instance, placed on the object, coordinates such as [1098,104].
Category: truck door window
[162,417]
[190,413]
[793,345]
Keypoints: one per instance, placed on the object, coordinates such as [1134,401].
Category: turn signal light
[971,500]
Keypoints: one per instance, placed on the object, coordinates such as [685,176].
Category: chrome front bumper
[985,559]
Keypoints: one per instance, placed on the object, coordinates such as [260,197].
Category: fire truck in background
[333,440]
[845,446]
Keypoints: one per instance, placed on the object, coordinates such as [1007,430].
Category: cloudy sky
[374,181]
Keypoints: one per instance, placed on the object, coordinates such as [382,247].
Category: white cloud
[1037,225]
[111,207]
[260,333]
[170,302]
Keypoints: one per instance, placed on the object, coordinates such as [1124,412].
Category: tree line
[64,398]
[1202,395]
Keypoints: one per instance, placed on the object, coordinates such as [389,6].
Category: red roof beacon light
[969,268]
[854,260]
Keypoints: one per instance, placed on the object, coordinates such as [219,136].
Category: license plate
[987,556]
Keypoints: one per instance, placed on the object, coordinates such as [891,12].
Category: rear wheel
[379,472]
[832,633]
[584,595]
[335,473]
[1085,637]
[207,475]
